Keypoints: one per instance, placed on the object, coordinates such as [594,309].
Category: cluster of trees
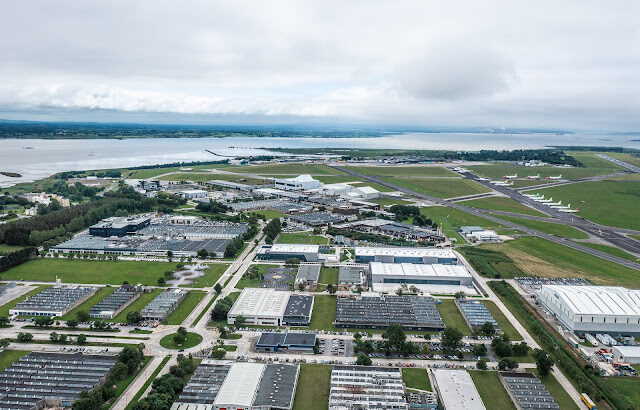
[134,317]
[25,337]
[180,337]
[422,220]
[403,212]
[166,388]
[272,229]
[168,202]
[16,258]
[213,207]
[8,199]
[370,237]
[76,192]
[503,347]
[221,309]
[129,361]
[236,245]
[4,321]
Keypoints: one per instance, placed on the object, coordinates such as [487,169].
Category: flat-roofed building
[164,304]
[304,253]
[193,193]
[260,306]
[113,304]
[405,255]
[272,342]
[626,354]
[527,391]
[55,301]
[476,314]
[593,309]
[456,390]
[436,278]
[119,226]
[300,183]
[308,276]
[352,277]
[362,387]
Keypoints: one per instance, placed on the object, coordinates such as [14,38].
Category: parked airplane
[533,176]
[569,210]
[500,183]
[482,179]
[543,201]
[532,196]
[514,176]
[562,207]
[552,204]
[556,177]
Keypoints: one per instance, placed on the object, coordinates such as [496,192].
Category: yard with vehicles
[502,203]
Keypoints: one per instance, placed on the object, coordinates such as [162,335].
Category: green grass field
[564,231]
[4,309]
[269,214]
[440,187]
[628,386]
[557,391]
[501,203]
[611,251]
[324,313]
[302,238]
[150,173]
[282,169]
[247,282]
[451,219]
[192,339]
[137,305]
[506,326]
[628,158]
[492,392]
[452,316]
[373,185]
[204,177]
[94,271]
[416,378]
[328,276]
[490,262]
[89,303]
[405,171]
[185,307]
[7,357]
[312,392]
[211,276]
[612,203]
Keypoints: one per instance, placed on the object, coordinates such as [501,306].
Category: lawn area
[84,271]
[150,173]
[539,257]
[192,339]
[328,276]
[612,203]
[269,214]
[7,357]
[302,237]
[611,251]
[498,169]
[628,386]
[92,301]
[405,171]
[502,203]
[291,169]
[312,392]
[253,282]
[506,326]
[324,313]
[390,201]
[137,305]
[211,276]
[204,177]
[490,262]
[452,316]
[4,249]
[440,187]
[185,307]
[454,218]
[416,378]
[4,309]
[547,227]
[558,392]
[492,392]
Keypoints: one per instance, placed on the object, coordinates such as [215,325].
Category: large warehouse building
[304,253]
[436,278]
[593,309]
[405,255]
[362,387]
[300,183]
[270,307]
[54,302]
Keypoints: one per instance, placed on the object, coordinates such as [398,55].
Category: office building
[119,226]
[193,194]
[273,342]
[456,390]
[362,387]
[270,307]
[405,255]
[281,252]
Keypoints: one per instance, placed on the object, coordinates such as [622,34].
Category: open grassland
[312,392]
[204,177]
[501,203]
[451,219]
[628,158]
[548,227]
[490,262]
[89,271]
[499,169]
[492,392]
[286,169]
[185,307]
[590,159]
[154,172]
[557,391]
[416,378]
[612,203]
[440,187]
[328,276]
[539,257]
[7,357]
[373,185]
[302,238]
[210,277]
[4,309]
[324,313]
[504,323]
[612,251]
[628,386]
[452,316]
[91,302]
[137,305]
[390,201]
[405,171]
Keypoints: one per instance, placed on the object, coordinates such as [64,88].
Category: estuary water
[38,158]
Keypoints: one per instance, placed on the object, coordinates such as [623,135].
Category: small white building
[626,354]
[484,236]
[300,183]
[367,192]
[260,306]
[194,193]
[456,390]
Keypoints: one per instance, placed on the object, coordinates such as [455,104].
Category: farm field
[548,227]
[89,271]
[440,187]
[405,171]
[211,276]
[612,203]
[92,301]
[491,390]
[312,392]
[501,203]
[452,316]
[302,238]
[137,305]
[416,378]
[185,307]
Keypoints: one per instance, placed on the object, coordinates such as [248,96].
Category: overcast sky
[533,64]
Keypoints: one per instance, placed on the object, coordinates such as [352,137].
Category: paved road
[608,235]
[626,165]
[126,397]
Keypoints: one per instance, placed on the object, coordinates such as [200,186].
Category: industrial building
[405,255]
[40,380]
[270,307]
[626,354]
[304,253]
[193,193]
[362,387]
[397,230]
[318,218]
[456,390]
[300,183]
[273,342]
[352,277]
[277,205]
[527,391]
[436,278]
[484,236]
[593,309]
[113,304]
[164,304]
[308,276]
[55,301]
[230,185]
[119,226]
[476,314]
[248,386]
[412,312]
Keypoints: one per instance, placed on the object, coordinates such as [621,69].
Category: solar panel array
[55,299]
[413,312]
[204,385]
[528,391]
[109,306]
[52,375]
[318,218]
[477,314]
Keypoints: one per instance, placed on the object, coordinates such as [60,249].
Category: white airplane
[556,177]
[552,204]
[532,196]
[500,183]
[569,210]
[562,207]
[482,179]
[543,201]
[533,176]
[514,176]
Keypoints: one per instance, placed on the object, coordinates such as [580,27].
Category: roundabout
[173,341]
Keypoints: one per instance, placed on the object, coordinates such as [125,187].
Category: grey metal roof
[277,386]
[350,275]
[204,385]
[308,273]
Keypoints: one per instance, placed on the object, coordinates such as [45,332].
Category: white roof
[192,191]
[407,251]
[295,247]
[263,301]
[627,351]
[240,386]
[412,269]
[368,190]
[596,300]
[457,390]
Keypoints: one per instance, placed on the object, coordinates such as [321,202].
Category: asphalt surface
[623,164]
[606,234]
